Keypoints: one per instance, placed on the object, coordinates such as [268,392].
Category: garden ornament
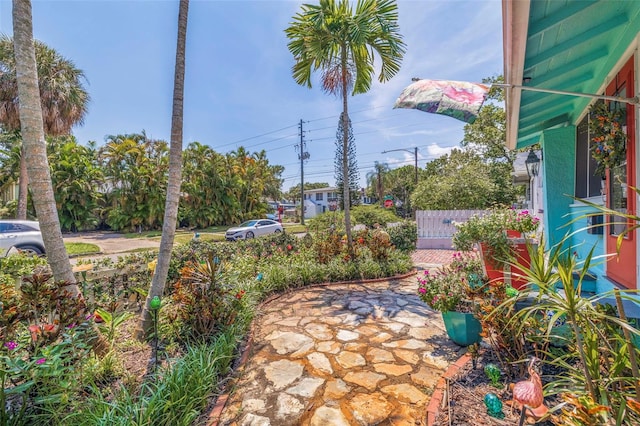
[528,393]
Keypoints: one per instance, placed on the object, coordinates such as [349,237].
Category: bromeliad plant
[206,299]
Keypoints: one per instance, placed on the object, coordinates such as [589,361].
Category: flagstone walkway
[342,354]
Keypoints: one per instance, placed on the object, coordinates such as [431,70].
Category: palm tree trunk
[346,189]
[175,172]
[23,186]
[34,146]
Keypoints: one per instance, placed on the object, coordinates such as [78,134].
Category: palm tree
[34,146]
[376,179]
[175,171]
[331,37]
[63,98]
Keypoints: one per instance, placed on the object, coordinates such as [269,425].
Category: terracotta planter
[497,273]
[494,272]
[462,327]
[522,257]
[513,234]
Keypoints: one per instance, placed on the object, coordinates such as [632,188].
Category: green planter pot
[463,328]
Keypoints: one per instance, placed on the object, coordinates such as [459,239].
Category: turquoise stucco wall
[582,242]
[558,147]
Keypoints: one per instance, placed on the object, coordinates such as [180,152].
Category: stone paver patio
[342,354]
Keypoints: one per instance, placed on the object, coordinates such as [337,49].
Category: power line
[258,136]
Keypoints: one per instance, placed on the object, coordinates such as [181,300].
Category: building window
[588,184]
[319,196]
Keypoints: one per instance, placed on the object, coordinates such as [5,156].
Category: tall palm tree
[331,37]
[175,171]
[30,111]
[63,98]
[376,179]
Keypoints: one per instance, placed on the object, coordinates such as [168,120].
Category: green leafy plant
[404,235]
[451,288]
[596,369]
[373,215]
[206,299]
[112,321]
[489,230]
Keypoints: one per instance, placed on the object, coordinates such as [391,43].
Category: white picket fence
[435,227]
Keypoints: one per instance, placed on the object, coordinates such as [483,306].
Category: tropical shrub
[326,221]
[372,215]
[44,337]
[404,235]
[206,299]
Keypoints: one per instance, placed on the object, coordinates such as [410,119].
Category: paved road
[111,242]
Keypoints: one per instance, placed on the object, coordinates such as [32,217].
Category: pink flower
[41,361]
[11,345]
[422,290]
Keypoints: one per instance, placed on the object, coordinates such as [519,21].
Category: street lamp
[533,164]
[415,154]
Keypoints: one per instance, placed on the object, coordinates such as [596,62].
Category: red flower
[289,247]
[35,330]
[240,294]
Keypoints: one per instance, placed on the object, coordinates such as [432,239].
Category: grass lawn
[182,238]
[213,233]
[77,249]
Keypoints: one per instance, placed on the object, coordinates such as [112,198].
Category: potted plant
[451,290]
[493,233]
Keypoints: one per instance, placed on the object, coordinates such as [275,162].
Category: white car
[253,228]
[24,235]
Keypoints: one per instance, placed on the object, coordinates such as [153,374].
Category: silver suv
[22,234]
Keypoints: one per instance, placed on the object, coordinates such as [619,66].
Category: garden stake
[155,307]
[449,399]
[630,348]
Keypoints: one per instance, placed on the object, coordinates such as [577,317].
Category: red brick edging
[433,409]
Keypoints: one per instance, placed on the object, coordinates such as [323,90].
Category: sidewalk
[342,354]
[431,258]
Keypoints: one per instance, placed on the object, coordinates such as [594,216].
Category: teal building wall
[558,148]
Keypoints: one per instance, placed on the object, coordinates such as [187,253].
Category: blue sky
[239,90]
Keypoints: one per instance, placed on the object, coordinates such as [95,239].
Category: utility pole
[302,155]
[415,155]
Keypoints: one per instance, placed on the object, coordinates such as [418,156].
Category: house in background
[9,193]
[588,47]
[318,201]
[321,200]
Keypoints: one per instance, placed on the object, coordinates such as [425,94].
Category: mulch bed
[463,402]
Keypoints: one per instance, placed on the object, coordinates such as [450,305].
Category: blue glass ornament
[494,405]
